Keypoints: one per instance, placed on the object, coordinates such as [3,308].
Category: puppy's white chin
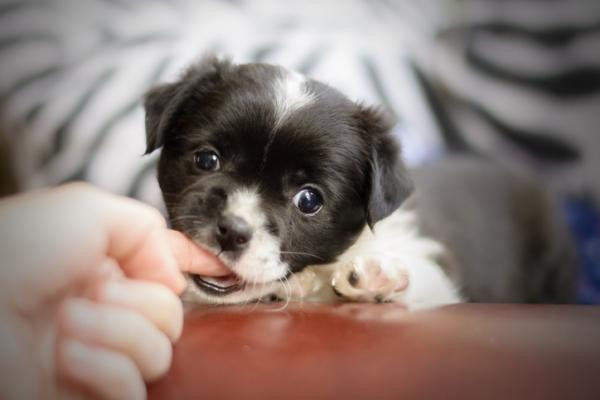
[256,269]
[253,276]
[259,274]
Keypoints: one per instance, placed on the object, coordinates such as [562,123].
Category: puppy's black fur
[342,148]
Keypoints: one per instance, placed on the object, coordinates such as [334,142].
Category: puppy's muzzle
[233,233]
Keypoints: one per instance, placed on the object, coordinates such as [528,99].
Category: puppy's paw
[370,279]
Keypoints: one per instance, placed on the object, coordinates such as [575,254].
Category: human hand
[88,290]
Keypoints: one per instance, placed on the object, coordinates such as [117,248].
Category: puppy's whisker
[288,293]
[252,286]
[184,216]
[300,253]
[256,301]
[252,289]
[296,282]
[190,217]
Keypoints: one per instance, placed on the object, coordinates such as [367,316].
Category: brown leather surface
[380,351]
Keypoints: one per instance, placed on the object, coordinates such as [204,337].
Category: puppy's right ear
[162,102]
[156,104]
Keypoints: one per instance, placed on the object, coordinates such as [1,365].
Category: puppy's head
[269,170]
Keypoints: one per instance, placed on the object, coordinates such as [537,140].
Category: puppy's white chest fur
[394,263]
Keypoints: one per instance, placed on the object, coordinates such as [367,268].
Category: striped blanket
[515,81]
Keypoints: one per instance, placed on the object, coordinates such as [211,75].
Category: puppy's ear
[163,102]
[156,103]
[389,183]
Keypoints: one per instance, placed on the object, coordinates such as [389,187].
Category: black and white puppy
[299,191]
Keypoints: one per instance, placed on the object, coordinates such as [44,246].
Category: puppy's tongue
[193,258]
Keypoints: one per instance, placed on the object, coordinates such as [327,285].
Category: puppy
[298,190]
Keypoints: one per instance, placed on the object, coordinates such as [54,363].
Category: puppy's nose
[233,233]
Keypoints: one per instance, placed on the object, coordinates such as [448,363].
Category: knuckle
[170,319]
[126,376]
[167,313]
[160,361]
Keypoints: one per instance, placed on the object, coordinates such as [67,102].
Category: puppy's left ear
[389,183]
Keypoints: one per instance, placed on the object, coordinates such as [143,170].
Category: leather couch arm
[378,351]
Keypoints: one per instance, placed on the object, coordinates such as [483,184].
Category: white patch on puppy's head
[290,94]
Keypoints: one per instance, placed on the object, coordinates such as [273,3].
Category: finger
[76,226]
[121,330]
[73,229]
[105,373]
[193,258]
[137,239]
[154,301]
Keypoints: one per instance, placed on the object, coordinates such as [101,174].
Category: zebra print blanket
[73,73]
[518,82]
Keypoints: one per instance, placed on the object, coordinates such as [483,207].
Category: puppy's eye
[206,160]
[309,201]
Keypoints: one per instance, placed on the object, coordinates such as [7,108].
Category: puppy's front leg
[396,264]
[417,283]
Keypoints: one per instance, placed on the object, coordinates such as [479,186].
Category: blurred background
[514,81]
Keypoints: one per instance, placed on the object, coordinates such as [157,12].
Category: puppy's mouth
[230,282]
[219,285]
